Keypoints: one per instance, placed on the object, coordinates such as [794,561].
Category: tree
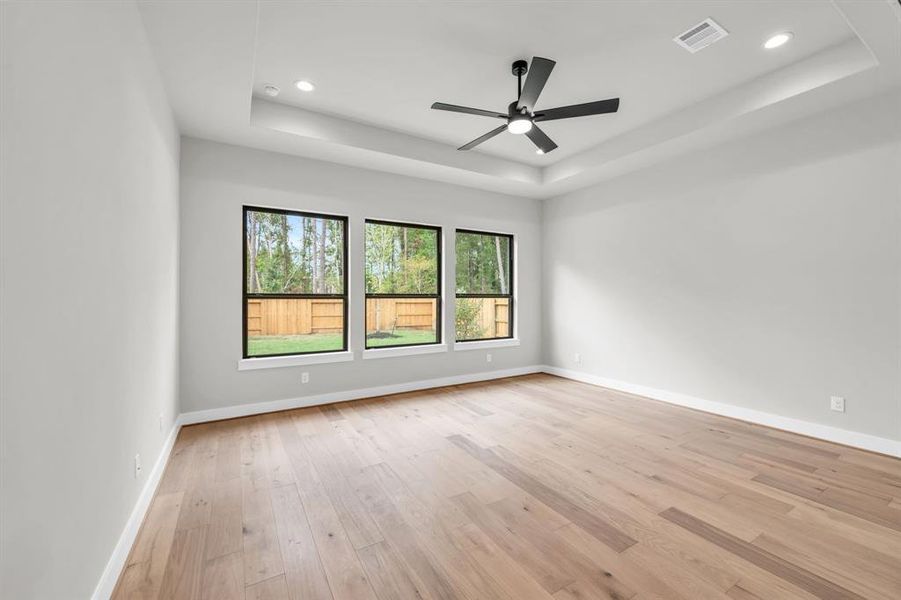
[253,283]
[294,254]
[320,287]
[286,252]
[401,260]
[500,265]
[482,263]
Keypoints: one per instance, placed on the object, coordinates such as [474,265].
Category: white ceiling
[385,63]
[379,66]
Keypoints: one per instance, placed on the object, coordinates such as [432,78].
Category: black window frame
[437,295]
[509,296]
[245,296]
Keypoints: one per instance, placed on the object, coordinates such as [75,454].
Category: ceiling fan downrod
[520,68]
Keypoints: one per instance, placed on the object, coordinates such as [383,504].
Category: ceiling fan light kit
[521,116]
[519,123]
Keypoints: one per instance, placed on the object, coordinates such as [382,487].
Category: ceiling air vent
[701,35]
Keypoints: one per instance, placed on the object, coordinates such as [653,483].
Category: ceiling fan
[521,116]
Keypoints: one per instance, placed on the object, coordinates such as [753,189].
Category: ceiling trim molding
[335,130]
[696,126]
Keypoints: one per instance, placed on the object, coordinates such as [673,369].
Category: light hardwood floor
[530,487]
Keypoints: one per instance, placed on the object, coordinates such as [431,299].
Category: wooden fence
[289,316]
[495,319]
[388,314]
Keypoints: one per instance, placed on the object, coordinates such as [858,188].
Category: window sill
[404,351]
[483,344]
[273,362]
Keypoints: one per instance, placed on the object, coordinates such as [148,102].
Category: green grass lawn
[283,344]
[323,342]
[401,337]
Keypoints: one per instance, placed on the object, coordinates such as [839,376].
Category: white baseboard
[243,410]
[116,562]
[855,439]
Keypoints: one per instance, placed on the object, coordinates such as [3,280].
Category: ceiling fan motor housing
[520,68]
[512,111]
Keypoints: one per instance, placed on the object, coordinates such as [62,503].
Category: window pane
[401,259]
[483,263]
[291,325]
[482,318]
[294,254]
[401,321]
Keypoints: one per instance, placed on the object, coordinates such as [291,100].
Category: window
[295,283]
[403,284]
[484,308]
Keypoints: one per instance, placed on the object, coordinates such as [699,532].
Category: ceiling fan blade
[483,138]
[540,139]
[579,110]
[539,71]
[468,111]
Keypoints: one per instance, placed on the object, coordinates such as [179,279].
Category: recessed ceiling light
[539,151]
[777,40]
[304,86]
[271,90]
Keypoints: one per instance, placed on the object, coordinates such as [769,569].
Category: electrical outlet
[488,357]
[837,403]
[138,467]
[578,358]
[305,377]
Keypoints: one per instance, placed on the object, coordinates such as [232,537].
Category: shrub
[467,319]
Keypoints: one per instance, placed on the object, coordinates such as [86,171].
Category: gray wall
[89,287]
[217,179]
[764,273]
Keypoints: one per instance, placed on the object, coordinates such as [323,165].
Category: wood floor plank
[181,460]
[143,574]
[790,572]
[274,588]
[527,488]
[279,464]
[200,485]
[342,566]
[502,569]
[304,574]
[398,532]
[183,579]
[651,585]
[223,578]
[462,576]
[262,555]
[331,412]
[357,523]
[533,553]
[390,577]
[861,581]
[228,453]
[736,592]
[591,575]
[674,572]
[225,532]
[885,516]
[604,531]
[849,532]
